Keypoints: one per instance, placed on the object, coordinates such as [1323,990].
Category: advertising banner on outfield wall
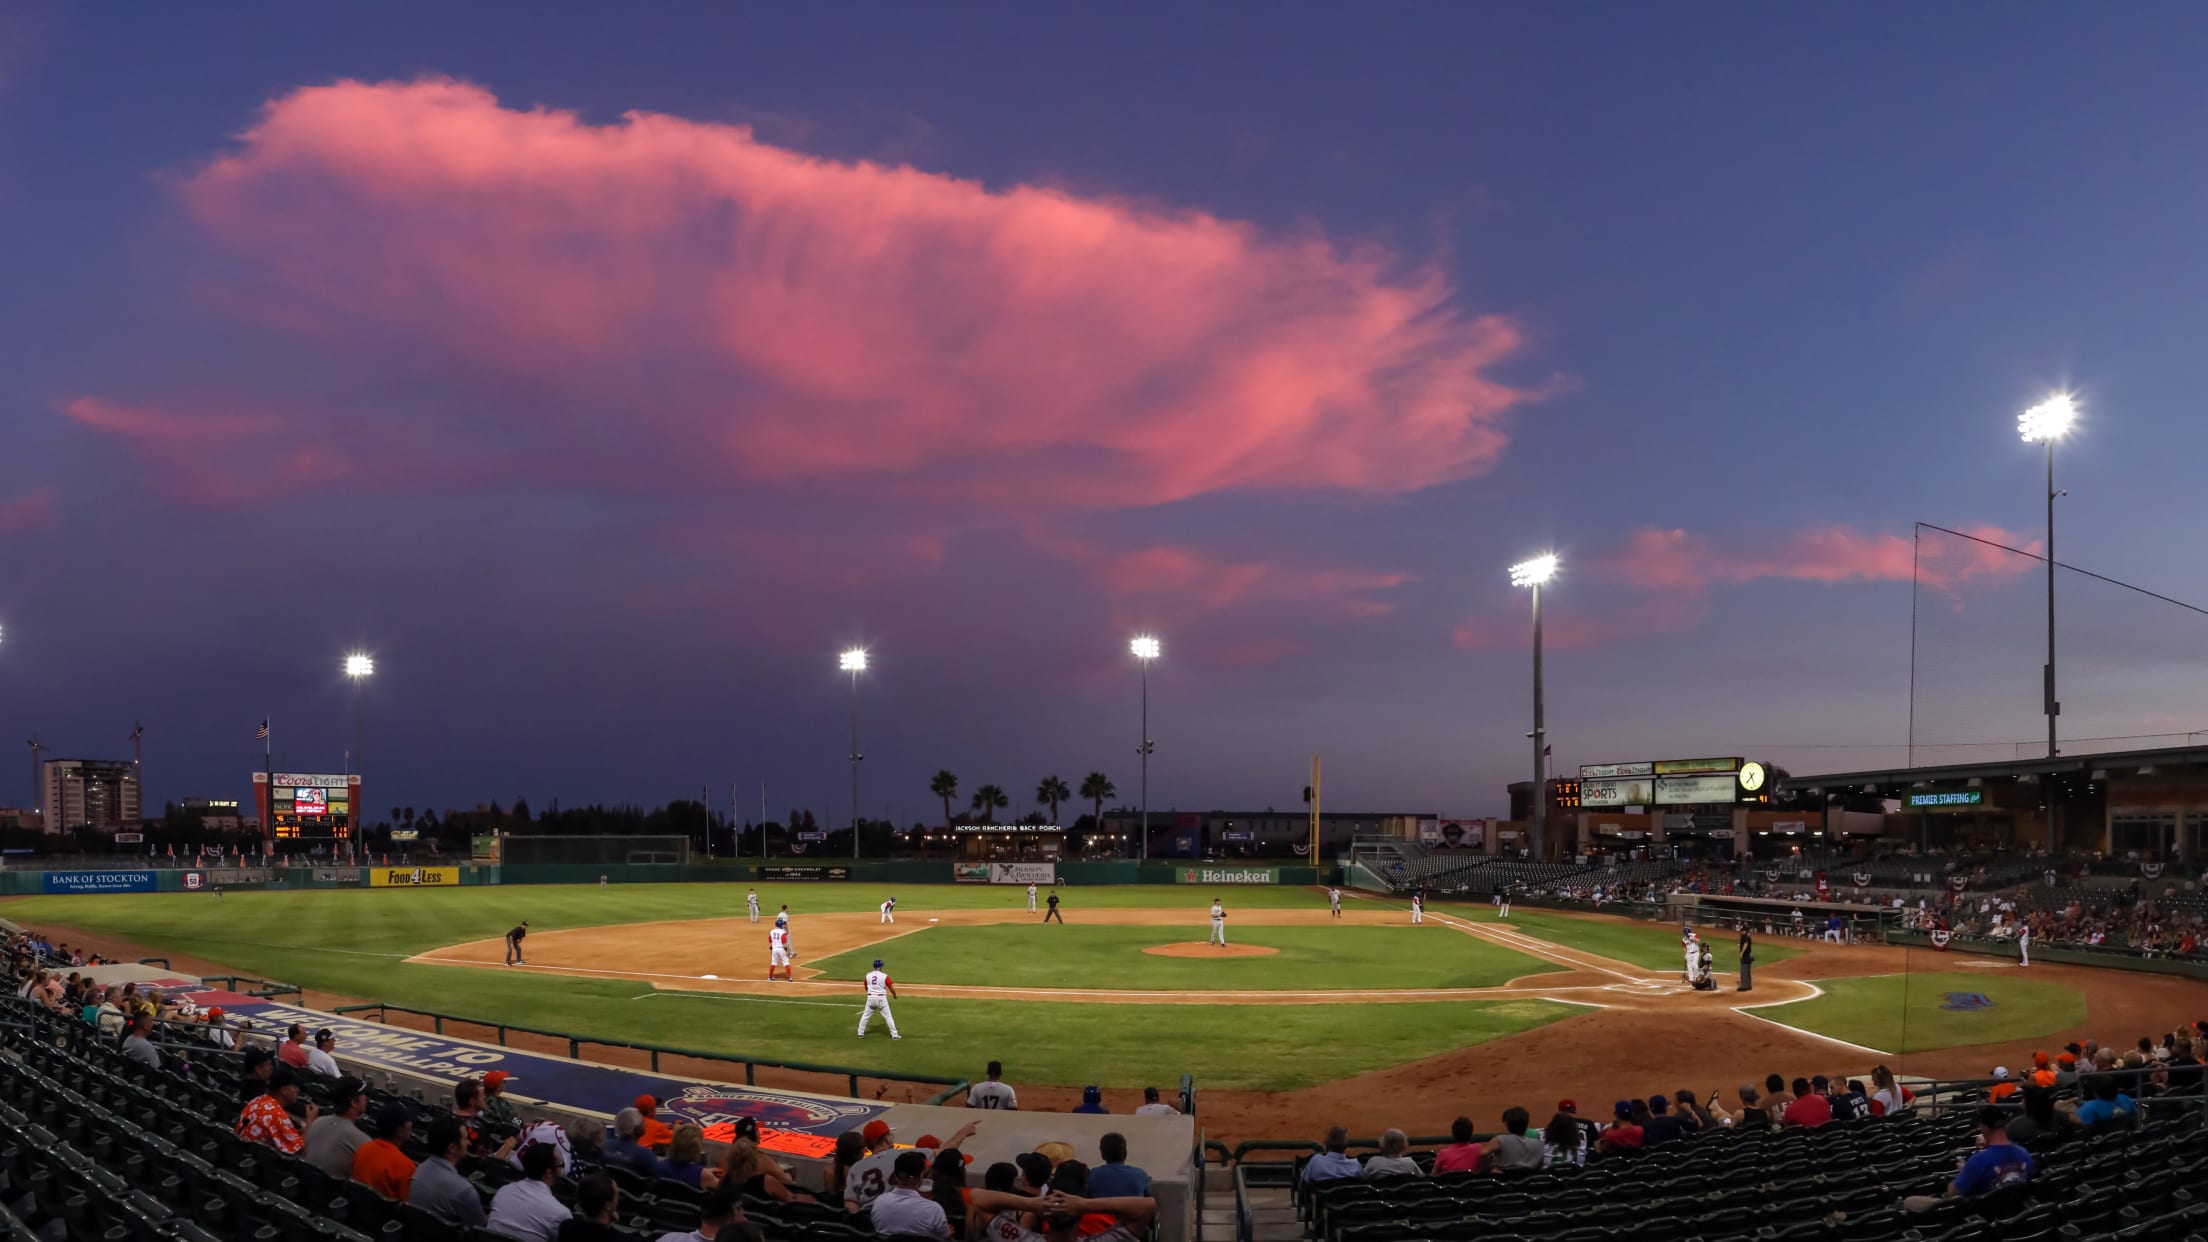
[413,877]
[1692,790]
[1615,791]
[1023,873]
[970,873]
[1227,875]
[99,881]
[773,872]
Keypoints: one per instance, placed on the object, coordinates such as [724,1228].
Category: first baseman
[879,992]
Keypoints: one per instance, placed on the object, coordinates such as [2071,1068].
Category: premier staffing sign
[1946,800]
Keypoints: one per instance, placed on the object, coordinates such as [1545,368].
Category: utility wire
[2072,568]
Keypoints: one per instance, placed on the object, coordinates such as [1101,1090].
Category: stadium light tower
[1145,649]
[1533,573]
[358,668]
[854,663]
[2046,423]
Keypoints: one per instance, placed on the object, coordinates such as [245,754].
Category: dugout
[1729,913]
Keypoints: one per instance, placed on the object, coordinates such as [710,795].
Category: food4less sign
[1228,875]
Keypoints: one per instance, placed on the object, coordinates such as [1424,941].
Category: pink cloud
[142,422]
[30,511]
[1675,560]
[767,317]
[1198,581]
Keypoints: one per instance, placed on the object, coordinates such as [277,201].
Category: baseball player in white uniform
[1502,904]
[1218,923]
[751,903]
[1692,945]
[2023,944]
[1334,901]
[879,992]
[889,910]
[778,951]
[1031,899]
[1418,908]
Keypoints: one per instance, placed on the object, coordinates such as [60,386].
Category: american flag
[261,734]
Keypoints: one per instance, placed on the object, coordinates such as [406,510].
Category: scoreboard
[313,806]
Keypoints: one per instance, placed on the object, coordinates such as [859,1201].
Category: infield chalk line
[1815,992]
[757,1000]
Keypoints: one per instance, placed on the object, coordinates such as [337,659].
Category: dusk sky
[604,370]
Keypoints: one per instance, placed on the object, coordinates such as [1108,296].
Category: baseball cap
[344,1089]
[911,1164]
[927,1140]
[391,1114]
[2039,1059]
[1623,1108]
[281,1077]
[877,963]
[2001,1072]
[255,1058]
[876,1131]
[216,1014]
[645,1104]
[324,1033]
[2067,1058]
[497,1078]
[1091,1094]
[1567,1106]
[1034,1166]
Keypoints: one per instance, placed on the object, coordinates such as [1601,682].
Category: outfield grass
[1028,956]
[1908,1013]
[1653,946]
[354,943]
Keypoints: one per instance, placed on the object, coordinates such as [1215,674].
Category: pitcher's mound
[1199,948]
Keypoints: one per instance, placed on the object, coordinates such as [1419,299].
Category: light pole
[359,668]
[1145,649]
[1532,574]
[2046,423]
[854,663]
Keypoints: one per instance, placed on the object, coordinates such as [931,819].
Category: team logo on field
[709,1106]
[1965,1002]
[193,880]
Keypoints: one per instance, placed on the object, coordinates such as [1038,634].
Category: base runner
[879,992]
[1218,923]
[778,952]
[889,910]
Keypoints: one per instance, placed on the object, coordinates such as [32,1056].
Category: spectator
[318,1057]
[1564,1142]
[254,1081]
[293,1051]
[993,1092]
[624,1152]
[1849,1103]
[566,1142]
[597,1204]
[869,1176]
[1393,1161]
[1693,1117]
[498,1111]
[218,1029]
[380,1165]
[1092,1101]
[2002,1087]
[333,1137]
[1073,1214]
[1661,1127]
[753,1171]
[2066,1069]
[1462,1155]
[2108,1103]
[719,1217]
[138,1044]
[1035,1170]
[1624,1134]
[685,1158]
[1332,1164]
[438,1185]
[2038,1120]
[850,1149]
[1152,1107]
[526,1209]
[1809,1109]
[947,1186]
[1514,1148]
[1885,1092]
[110,1015]
[1589,1131]
[656,1133]
[267,1118]
[901,1208]
[1116,1178]
[467,1105]
[1998,1163]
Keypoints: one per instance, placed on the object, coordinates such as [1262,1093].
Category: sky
[603,372]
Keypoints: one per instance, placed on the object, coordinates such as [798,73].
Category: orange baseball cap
[645,1104]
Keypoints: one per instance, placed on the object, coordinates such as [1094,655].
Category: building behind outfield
[1258,834]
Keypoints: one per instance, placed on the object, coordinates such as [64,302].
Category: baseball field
[1367,1017]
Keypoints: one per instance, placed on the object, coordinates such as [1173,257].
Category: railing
[1188,1095]
[576,1043]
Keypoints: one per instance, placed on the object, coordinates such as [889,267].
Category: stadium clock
[1751,776]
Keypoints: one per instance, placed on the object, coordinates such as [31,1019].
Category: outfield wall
[127,879]
[2118,959]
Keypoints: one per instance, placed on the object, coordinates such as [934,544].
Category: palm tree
[1053,791]
[988,800]
[1096,787]
[945,786]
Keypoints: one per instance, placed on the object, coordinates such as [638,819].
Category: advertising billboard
[413,877]
[773,872]
[1227,875]
[1686,767]
[1689,790]
[311,804]
[1023,873]
[1636,791]
[1608,771]
[98,881]
[1946,800]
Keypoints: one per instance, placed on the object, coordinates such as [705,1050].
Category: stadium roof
[2169,756]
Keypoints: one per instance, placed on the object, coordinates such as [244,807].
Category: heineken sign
[1228,875]
[1953,799]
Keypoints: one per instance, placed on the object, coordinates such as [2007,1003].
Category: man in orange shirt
[2002,1087]
[267,1117]
[656,1133]
[379,1164]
